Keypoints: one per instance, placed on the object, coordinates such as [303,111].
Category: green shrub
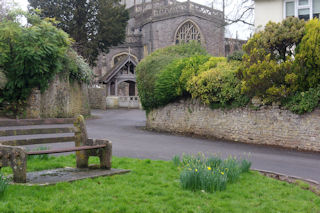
[267,67]
[307,61]
[236,56]
[302,102]
[78,69]
[149,68]
[277,39]
[267,79]
[31,55]
[167,85]
[218,86]
[211,63]
[192,68]
[3,184]
[209,174]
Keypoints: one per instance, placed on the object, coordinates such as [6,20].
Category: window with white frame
[303,9]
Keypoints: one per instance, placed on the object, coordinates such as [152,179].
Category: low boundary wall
[268,126]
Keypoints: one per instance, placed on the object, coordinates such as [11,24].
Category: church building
[155,24]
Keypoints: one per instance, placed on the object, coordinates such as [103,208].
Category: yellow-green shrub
[267,67]
[191,68]
[307,61]
[218,86]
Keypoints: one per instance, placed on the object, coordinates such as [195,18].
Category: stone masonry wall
[98,97]
[269,126]
[61,99]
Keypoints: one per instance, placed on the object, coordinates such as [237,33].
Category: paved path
[125,129]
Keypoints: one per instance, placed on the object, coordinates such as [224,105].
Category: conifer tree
[95,25]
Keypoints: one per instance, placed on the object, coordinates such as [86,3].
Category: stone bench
[12,153]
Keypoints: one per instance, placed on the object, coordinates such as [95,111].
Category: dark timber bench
[15,156]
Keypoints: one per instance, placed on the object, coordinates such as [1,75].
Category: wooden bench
[14,155]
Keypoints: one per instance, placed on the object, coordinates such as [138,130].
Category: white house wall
[268,10]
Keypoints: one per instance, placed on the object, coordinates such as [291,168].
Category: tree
[94,25]
[30,56]
[238,15]
[5,5]
[241,11]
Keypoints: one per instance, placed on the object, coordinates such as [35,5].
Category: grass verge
[152,186]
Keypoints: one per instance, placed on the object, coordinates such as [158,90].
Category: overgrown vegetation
[280,64]
[209,173]
[152,186]
[31,55]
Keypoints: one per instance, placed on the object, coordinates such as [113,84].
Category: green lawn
[153,186]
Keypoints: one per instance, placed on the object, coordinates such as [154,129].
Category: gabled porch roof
[116,68]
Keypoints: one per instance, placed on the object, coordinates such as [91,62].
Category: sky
[238,30]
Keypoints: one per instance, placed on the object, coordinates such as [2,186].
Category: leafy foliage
[167,84]
[267,68]
[192,68]
[150,68]
[302,102]
[277,39]
[236,56]
[78,69]
[95,25]
[218,86]
[307,60]
[30,55]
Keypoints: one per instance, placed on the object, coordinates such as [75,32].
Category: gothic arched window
[187,32]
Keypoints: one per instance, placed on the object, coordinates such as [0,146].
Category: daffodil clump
[3,184]
[209,173]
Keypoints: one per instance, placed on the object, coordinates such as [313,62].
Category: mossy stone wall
[62,99]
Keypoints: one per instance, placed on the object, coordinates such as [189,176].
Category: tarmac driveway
[125,128]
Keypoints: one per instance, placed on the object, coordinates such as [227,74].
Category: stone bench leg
[105,157]
[16,158]
[19,169]
[82,159]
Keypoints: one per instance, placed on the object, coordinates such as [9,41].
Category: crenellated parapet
[153,11]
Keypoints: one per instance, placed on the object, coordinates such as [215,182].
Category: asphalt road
[125,128]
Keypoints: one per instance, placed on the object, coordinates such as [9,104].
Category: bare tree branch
[240,18]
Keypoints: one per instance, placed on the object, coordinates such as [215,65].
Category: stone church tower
[155,24]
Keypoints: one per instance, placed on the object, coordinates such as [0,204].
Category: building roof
[116,68]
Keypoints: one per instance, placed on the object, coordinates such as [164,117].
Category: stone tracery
[187,32]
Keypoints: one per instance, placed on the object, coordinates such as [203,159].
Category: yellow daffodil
[209,168]
[222,173]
